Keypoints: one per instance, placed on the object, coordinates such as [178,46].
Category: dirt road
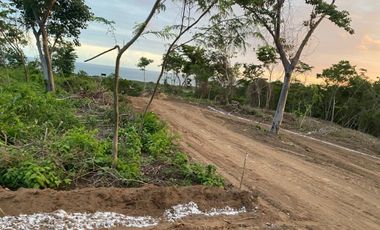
[307,184]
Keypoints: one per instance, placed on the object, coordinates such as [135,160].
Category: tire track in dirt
[339,191]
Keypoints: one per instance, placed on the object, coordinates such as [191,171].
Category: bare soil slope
[146,201]
[306,183]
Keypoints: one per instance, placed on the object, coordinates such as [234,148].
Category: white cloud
[129,59]
[369,44]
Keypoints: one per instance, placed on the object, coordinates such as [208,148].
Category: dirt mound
[149,200]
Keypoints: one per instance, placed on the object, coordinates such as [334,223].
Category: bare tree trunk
[42,60]
[115,143]
[179,80]
[144,81]
[259,98]
[26,74]
[45,46]
[333,109]
[269,91]
[277,120]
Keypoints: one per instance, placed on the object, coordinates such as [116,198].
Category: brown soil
[304,184]
[149,200]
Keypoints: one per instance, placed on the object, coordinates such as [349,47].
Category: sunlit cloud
[369,44]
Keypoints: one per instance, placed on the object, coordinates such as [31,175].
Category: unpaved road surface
[307,185]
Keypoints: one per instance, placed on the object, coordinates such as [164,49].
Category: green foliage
[27,112]
[30,174]
[267,55]
[43,144]
[159,143]
[197,173]
[63,59]
[78,149]
[130,153]
[130,88]
[143,63]
[152,124]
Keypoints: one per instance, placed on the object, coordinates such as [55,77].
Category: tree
[120,51]
[142,64]
[334,77]
[202,7]
[64,57]
[52,21]
[268,56]
[252,73]
[270,15]
[176,64]
[12,37]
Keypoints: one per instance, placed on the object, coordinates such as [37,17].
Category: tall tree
[267,55]
[52,21]
[270,15]
[158,5]
[12,37]
[142,64]
[188,20]
[335,76]
[253,74]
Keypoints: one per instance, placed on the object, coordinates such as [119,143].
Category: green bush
[197,173]
[79,149]
[26,112]
[130,153]
[30,174]
[159,143]
[152,123]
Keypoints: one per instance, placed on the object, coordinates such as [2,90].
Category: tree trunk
[26,74]
[277,120]
[144,81]
[269,91]
[45,46]
[43,62]
[333,110]
[258,97]
[179,79]
[115,148]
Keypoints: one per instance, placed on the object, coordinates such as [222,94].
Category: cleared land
[304,183]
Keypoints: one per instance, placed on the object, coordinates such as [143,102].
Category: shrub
[30,174]
[26,112]
[159,143]
[79,149]
[130,153]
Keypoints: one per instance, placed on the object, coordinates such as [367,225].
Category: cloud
[129,59]
[369,44]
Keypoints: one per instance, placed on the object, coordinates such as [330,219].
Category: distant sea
[125,73]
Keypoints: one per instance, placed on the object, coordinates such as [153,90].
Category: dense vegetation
[65,140]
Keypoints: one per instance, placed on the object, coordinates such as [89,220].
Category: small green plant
[159,143]
[79,148]
[30,174]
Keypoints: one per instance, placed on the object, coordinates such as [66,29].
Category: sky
[328,46]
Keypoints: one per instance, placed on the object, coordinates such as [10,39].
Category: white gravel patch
[182,210]
[62,220]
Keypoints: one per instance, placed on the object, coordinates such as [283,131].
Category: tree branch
[115,47]
[163,67]
[48,11]
[141,29]
[296,57]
